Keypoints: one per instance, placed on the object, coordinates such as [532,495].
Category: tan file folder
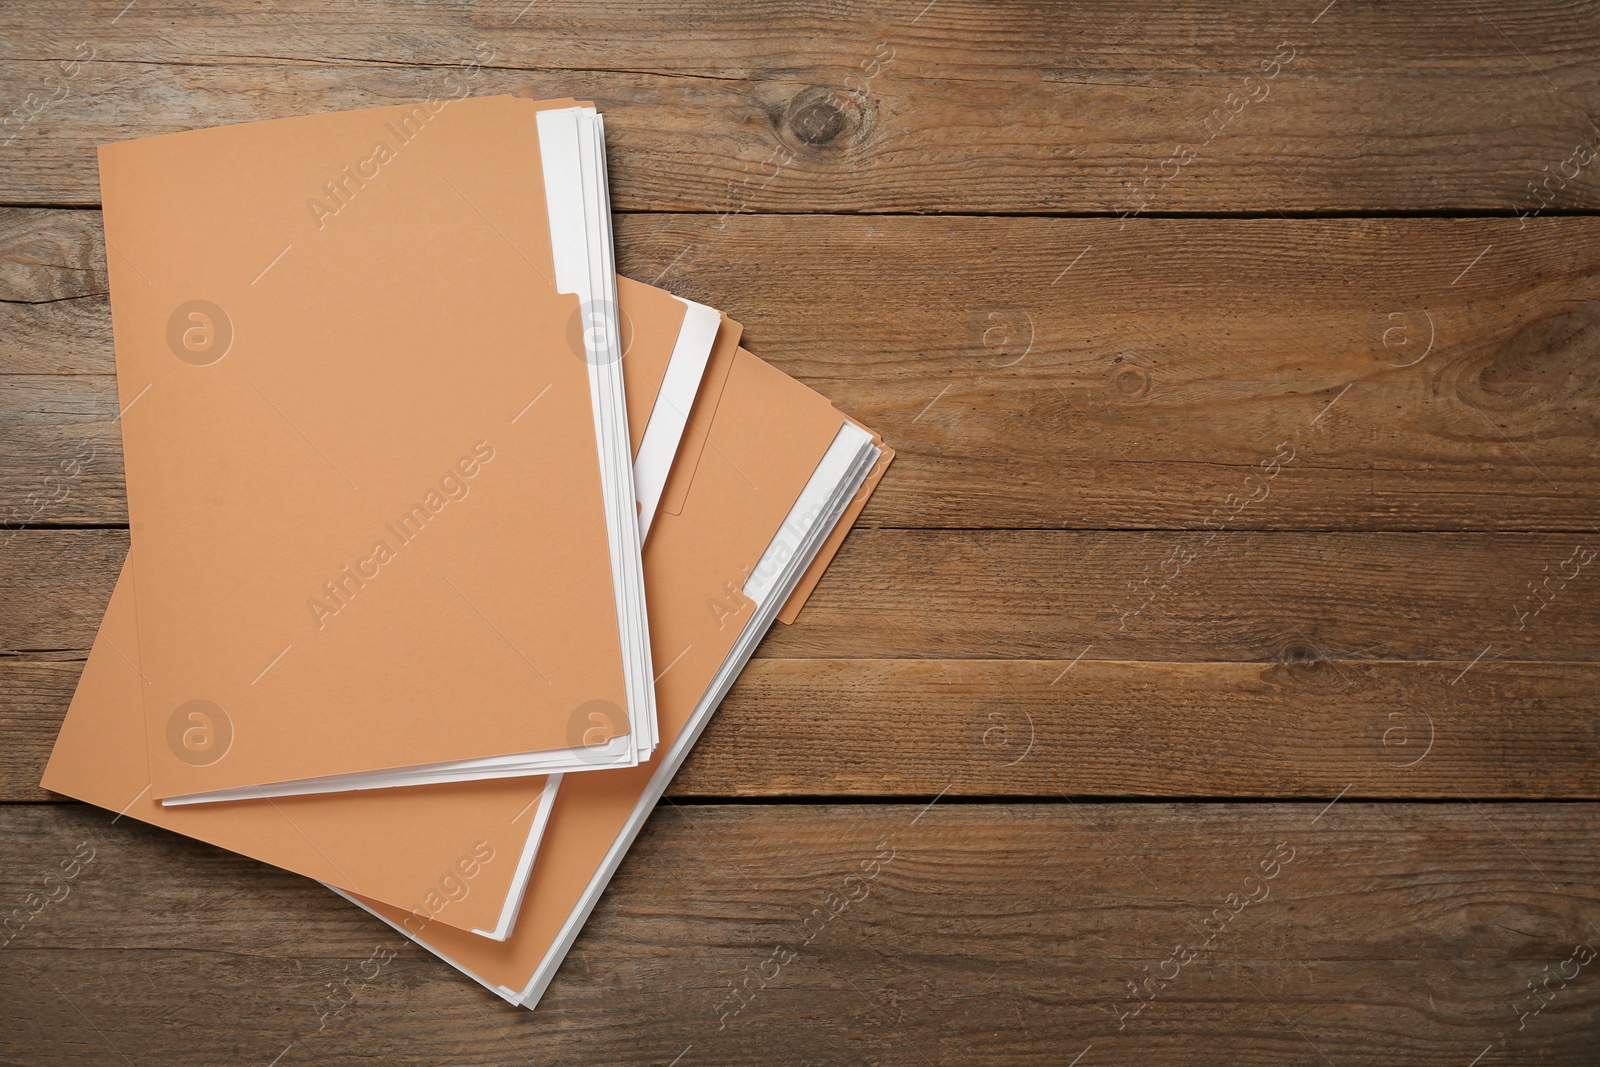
[360,446]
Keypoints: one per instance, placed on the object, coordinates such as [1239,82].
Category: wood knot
[1300,664]
[823,118]
[1551,358]
[1129,381]
[1296,653]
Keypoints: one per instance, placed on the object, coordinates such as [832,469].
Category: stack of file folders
[446,541]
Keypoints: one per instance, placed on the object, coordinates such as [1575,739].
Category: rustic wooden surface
[1081,662]
[997,933]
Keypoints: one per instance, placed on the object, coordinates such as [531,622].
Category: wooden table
[1242,364]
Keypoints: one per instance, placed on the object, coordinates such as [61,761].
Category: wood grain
[838,106]
[1416,383]
[996,934]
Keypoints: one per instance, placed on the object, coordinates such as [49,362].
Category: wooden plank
[1278,664]
[1241,597]
[989,934]
[1421,374]
[1262,597]
[1050,728]
[1143,383]
[855,107]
